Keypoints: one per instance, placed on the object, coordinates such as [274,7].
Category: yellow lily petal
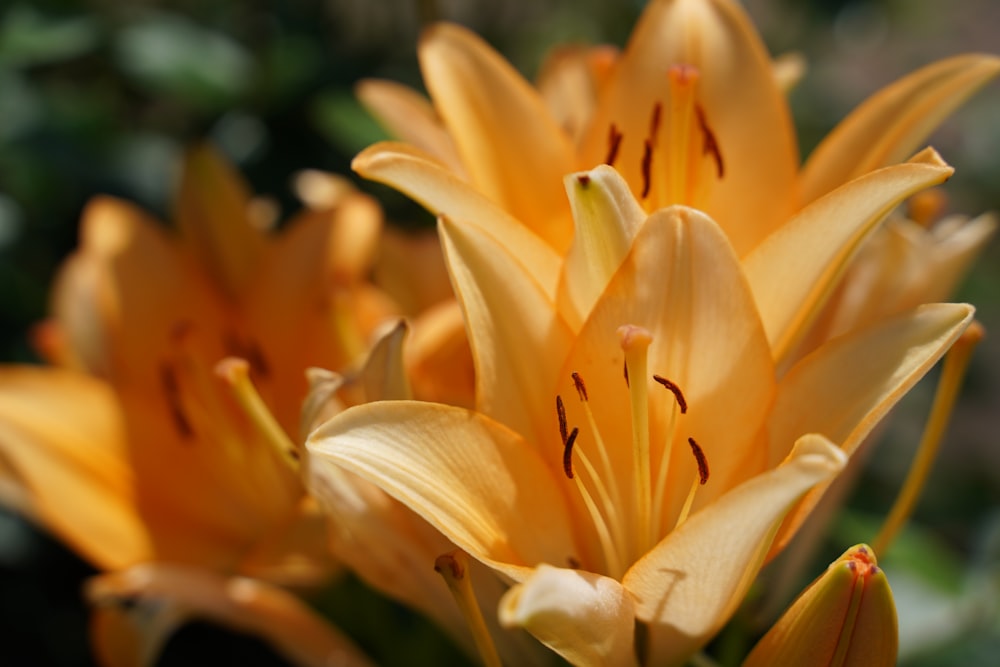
[692,581]
[468,476]
[410,117]
[213,216]
[843,389]
[893,122]
[847,386]
[138,609]
[384,542]
[793,271]
[586,618]
[846,618]
[443,193]
[741,101]
[481,97]
[606,218]
[383,375]
[62,447]
[505,312]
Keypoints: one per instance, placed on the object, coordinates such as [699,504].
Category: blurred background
[101,97]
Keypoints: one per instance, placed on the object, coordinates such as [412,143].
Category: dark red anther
[583,180]
[647,166]
[675,390]
[711,145]
[568,452]
[699,456]
[561,412]
[246,348]
[581,388]
[654,122]
[614,143]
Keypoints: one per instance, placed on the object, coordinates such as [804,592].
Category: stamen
[583,180]
[635,341]
[561,413]
[699,456]
[647,166]
[679,405]
[236,373]
[609,521]
[710,145]
[453,568]
[581,388]
[197,398]
[568,452]
[654,122]
[168,380]
[956,362]
[614,143]
[625,372]
[247,348]
[675,390]
[702,477]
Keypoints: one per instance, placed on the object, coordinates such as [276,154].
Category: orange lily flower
[595,510]
[152,457]
[691,112]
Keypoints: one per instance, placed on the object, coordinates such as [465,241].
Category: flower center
[220,406]
[627,528]
[681,156]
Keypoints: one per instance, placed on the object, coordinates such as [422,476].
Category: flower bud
[845,617]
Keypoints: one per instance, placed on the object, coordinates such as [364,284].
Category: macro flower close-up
[668,386]
[499,333]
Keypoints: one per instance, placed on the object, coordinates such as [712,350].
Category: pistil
[683,81]
[635,342]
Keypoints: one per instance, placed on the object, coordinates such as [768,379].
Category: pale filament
[608,523]
[699,480]
[609,516]
[663,470]
[688,501]
[612,559]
